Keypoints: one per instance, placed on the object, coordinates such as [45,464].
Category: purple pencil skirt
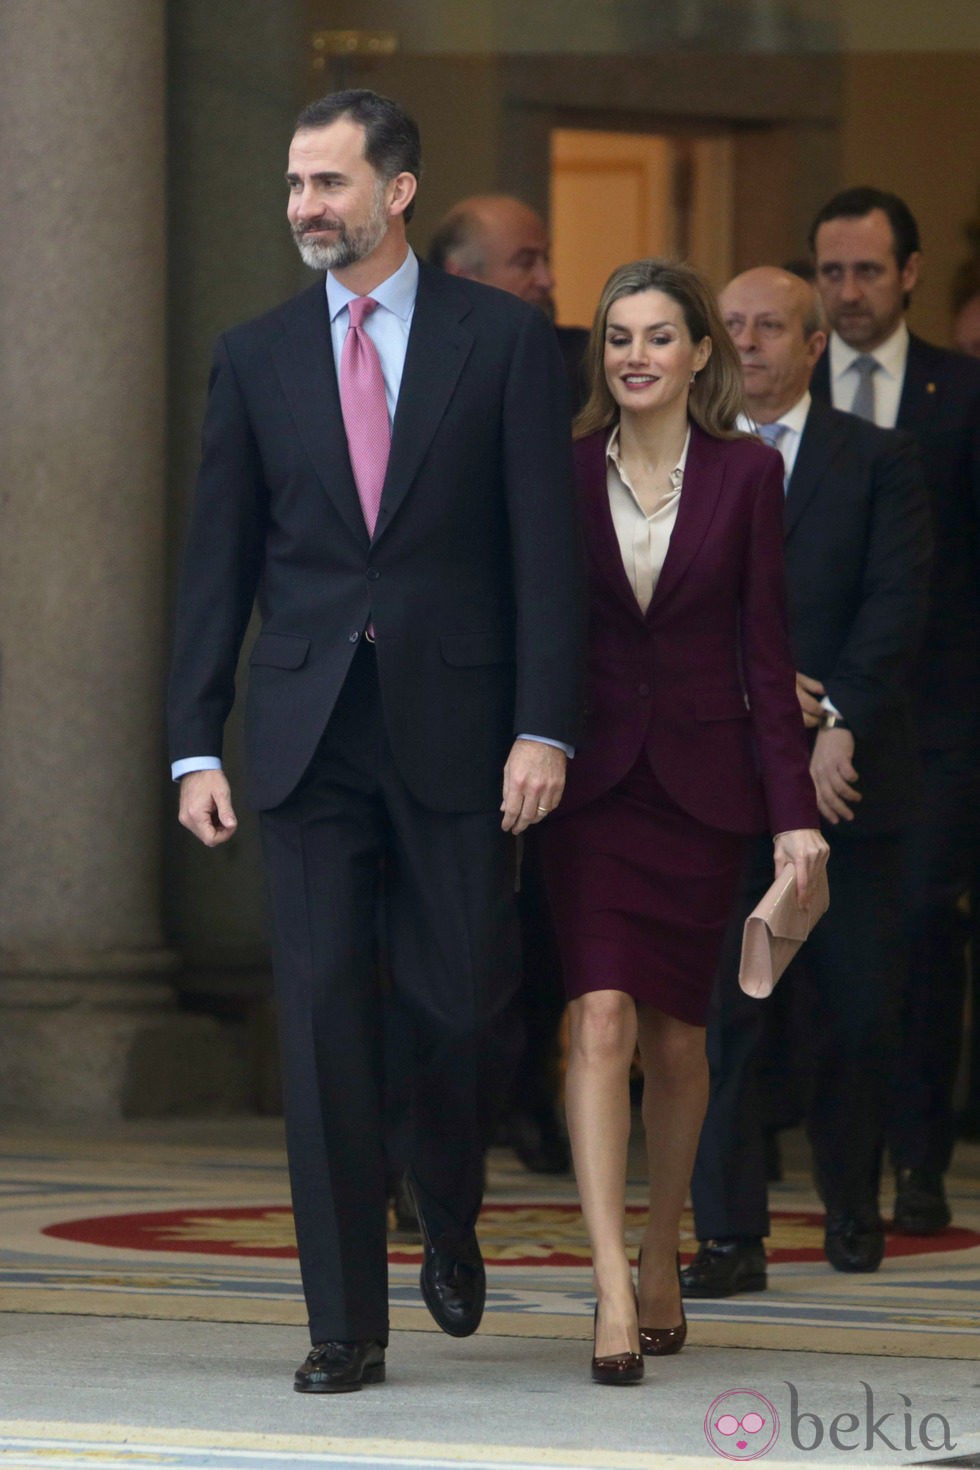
[641,893]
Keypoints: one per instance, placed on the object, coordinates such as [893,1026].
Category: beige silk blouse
[643,539]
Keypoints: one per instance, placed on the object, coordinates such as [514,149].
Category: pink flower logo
[741,1424]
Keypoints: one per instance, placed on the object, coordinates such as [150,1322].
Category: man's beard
[352,243]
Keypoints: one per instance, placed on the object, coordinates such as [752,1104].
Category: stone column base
[76,1046]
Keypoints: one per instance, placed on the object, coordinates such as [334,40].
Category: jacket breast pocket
[279,651]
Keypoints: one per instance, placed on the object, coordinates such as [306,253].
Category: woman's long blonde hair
[716,397]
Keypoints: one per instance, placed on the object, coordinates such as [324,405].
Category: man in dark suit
[503,242]
[412,699]
[857,552]
[867,252]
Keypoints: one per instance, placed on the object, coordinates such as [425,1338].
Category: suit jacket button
[353,637]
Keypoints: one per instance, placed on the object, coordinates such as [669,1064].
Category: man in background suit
[412,700]
[501,241]
[866,247]
[857,552]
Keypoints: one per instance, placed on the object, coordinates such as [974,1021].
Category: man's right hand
[205,807]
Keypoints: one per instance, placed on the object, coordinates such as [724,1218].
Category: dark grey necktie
[864,399]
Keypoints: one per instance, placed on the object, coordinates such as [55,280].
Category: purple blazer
[704,680]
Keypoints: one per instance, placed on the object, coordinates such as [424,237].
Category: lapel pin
[930,387]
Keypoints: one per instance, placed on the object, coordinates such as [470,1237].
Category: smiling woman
[691,697]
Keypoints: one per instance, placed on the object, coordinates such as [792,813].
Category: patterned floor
[139,1224]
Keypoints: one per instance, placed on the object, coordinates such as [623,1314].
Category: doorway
[620,196]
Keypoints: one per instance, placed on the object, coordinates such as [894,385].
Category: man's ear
[403,189]
[911,270]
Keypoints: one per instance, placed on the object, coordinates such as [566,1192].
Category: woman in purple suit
[694,741]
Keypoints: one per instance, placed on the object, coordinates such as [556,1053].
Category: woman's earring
[693,379]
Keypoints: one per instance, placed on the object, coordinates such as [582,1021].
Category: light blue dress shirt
[388,328]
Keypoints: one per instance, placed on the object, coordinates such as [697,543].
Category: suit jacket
[572,344]
[940,408]
[472,578]
[704,680]
[857,564]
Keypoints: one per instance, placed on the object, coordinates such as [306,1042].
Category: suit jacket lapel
[590,454]
[438,346]
[818,445]
[304,360]
[704,476]
[919,399]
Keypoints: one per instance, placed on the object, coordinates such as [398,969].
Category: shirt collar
[676,474]
[397,293]
[890,356]
[794,418]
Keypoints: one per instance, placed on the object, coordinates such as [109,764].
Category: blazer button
[353,637]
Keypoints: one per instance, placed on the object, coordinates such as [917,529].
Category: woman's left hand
[805,850]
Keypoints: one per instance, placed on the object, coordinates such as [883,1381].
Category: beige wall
[911,123]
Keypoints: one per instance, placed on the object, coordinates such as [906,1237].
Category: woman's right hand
[807,852]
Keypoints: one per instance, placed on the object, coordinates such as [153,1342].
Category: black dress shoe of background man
[341,1367]
[725,1267]
[921,1207]
[853,1244]
[453,1280]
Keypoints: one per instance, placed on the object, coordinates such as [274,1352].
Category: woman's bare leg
[602,1041]
[675,1096]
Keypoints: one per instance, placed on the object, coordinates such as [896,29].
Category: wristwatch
[833,721]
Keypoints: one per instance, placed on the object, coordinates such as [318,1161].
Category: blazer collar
[438,346]
[823,431]
[704,474]
[920,395]
[303,356]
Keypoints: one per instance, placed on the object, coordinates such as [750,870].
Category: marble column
[87,1020]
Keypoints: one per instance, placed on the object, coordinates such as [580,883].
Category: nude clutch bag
[774,931]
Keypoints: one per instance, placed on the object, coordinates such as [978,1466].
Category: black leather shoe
[851,1244]
[724,1268]
[538,1142]
[453,1281]
[341,1367]
[921,1207]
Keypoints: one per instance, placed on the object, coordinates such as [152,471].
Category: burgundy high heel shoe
[617,1368]
[660,1342]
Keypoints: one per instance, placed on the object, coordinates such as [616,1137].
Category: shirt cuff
[194,763]
[829,706]
[558,744]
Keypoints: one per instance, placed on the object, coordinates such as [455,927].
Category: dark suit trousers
[451,936]
[850,969]
[921,1130]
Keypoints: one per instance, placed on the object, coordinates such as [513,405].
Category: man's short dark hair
[391,138]
[856,203]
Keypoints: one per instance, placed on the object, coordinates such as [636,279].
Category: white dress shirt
[891,358]
[793,422]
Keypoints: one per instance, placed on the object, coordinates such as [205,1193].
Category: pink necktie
[365,410]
